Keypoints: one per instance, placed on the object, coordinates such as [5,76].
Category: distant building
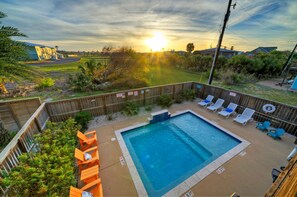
[41,52]
[223,52]
[182,53]
[261,50]
[72,55]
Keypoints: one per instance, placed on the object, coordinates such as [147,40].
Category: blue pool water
[167,153]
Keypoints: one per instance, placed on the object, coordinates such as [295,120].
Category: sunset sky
[90,25]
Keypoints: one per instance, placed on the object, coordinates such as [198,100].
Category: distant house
[261,50]
[223,52]
[41,52]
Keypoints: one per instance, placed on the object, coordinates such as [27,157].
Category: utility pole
[286,67]
[217,53]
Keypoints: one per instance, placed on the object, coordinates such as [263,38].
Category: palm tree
[10,53]
[190,47]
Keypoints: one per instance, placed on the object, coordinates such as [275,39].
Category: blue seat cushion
[228,110]
[206,101]
[86,194]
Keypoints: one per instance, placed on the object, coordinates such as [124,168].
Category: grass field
[165,75]
[65,68]
[265,92]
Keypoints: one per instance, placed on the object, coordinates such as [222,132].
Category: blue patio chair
[277,133]
[263,125]
[275,173]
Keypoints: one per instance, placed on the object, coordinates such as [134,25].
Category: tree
[190,47]
[10,53]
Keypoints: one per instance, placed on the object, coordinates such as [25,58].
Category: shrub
[110,116]
[81,82]
[164,101]
[188,94]
[129,83]
[82,118]
[230,78]
[51,170]
[131,109]
[5,135]
[46,83]
[215,74]
[178,99]
[148,108]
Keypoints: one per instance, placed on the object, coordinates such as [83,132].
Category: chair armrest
[89,161]
[93,183]
[90,132]
[90,140]
[91,149]
[271,129]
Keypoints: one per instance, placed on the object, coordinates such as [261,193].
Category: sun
[156,43]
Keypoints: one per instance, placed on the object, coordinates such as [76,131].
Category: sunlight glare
[157,43]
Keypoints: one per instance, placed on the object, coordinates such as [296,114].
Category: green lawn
[68,68]
[165,75]
[65,68]
[265,92]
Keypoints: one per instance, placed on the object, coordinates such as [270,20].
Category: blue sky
[92,24]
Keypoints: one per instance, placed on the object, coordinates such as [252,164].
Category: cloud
[89,25]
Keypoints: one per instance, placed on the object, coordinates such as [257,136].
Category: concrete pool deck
[248,173]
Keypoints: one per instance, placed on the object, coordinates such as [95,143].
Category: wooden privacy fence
[14,114]
[283,117]
[113,102]
[23,142]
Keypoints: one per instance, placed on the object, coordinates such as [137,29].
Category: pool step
[159,116]
[196,146]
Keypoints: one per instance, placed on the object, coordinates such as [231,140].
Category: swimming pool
[173,155]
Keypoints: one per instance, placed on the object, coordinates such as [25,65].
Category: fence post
[104,105]
[144,95]
[173,92]
[37,124]
[79,104]
[47,111]
[192,85]
[14,116]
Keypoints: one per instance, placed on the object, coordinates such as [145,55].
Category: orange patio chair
[94,187]
[82,162]
[87,140]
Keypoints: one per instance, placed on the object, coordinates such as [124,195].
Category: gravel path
[99,121]
[54,62]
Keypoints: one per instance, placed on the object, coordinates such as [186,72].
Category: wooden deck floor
[247,174]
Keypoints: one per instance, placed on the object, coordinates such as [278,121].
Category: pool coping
[195,178]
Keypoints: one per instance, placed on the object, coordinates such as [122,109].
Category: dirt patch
[272,84]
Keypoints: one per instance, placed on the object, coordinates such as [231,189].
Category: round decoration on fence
[268,108]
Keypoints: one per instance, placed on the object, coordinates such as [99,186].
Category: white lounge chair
[228,110]
[217,105]
[245,116]
[207,101]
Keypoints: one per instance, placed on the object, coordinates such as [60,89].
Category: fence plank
[15,113]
